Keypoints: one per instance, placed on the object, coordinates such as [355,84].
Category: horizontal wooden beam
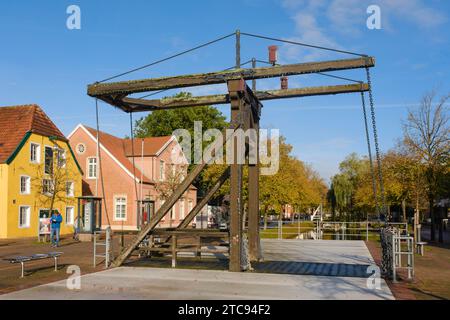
[136,105]
[136,86]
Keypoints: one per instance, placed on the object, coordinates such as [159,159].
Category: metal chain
[375,137]
[369,149]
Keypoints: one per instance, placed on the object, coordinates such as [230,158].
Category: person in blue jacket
[55,223]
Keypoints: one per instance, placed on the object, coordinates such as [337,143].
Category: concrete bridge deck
[293,269]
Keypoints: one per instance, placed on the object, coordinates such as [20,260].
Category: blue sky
[43,62]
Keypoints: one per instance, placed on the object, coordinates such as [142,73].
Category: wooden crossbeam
[138,105]
[192,80]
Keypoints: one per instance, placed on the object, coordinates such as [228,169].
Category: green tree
[165,122]
[427,136]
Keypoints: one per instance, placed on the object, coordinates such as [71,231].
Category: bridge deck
[345,261]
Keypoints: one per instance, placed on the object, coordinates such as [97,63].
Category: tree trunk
[404,209]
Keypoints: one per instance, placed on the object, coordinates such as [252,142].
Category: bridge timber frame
[245,113]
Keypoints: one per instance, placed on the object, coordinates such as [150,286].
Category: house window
[47,187]
[161,171]
[189,205]
[120,208]
[161,204]
[69,215]
[48,160]
[24,216]
[61,154]
[70,188]
[92,168]
[81,148]
[25,187]
[173,170]
[182,214]
[35,153]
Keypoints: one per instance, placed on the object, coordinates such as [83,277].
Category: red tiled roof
[16,121]
[121,148]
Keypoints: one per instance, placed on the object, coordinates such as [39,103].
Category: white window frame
[52,189]
[27,186]
[28,213]
[72,189]
[162,170]
[38,153]
[161,203]
[77,147]
[61,155]
[53,159]
[182,209]
[190,205]
[116,197]
[72,220]
[88,165]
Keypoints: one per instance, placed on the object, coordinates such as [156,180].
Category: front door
[147,211]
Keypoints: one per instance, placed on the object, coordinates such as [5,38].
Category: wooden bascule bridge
[245,113]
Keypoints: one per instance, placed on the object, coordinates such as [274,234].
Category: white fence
[329,230]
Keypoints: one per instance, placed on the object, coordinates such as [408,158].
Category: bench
[34,257]
[419,247]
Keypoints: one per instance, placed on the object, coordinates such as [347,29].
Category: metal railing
[107,244]
[327,230]
[397,252]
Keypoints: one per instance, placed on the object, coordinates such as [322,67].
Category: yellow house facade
[38,171]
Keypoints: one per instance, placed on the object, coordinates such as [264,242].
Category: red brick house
[133,193]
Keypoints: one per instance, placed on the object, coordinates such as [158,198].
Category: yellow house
[38,171]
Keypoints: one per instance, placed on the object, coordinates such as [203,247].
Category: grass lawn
[432,273]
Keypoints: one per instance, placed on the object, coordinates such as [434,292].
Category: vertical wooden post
[253,199]
[235,88]
[174,251]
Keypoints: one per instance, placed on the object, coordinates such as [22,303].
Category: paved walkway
[159,283]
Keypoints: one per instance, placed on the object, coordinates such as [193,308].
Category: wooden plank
[235,186]
[253,203]
[140,105]
[144,85]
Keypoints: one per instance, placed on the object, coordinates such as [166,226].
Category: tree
[427,136]
[165,122]
[172,180]
[53,178]
[344,186]
[294,184]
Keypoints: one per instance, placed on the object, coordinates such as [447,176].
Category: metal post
[95,248]
[394,256]
[367,230]
[254,81]
[238,48]
[56,263]
[108,247]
